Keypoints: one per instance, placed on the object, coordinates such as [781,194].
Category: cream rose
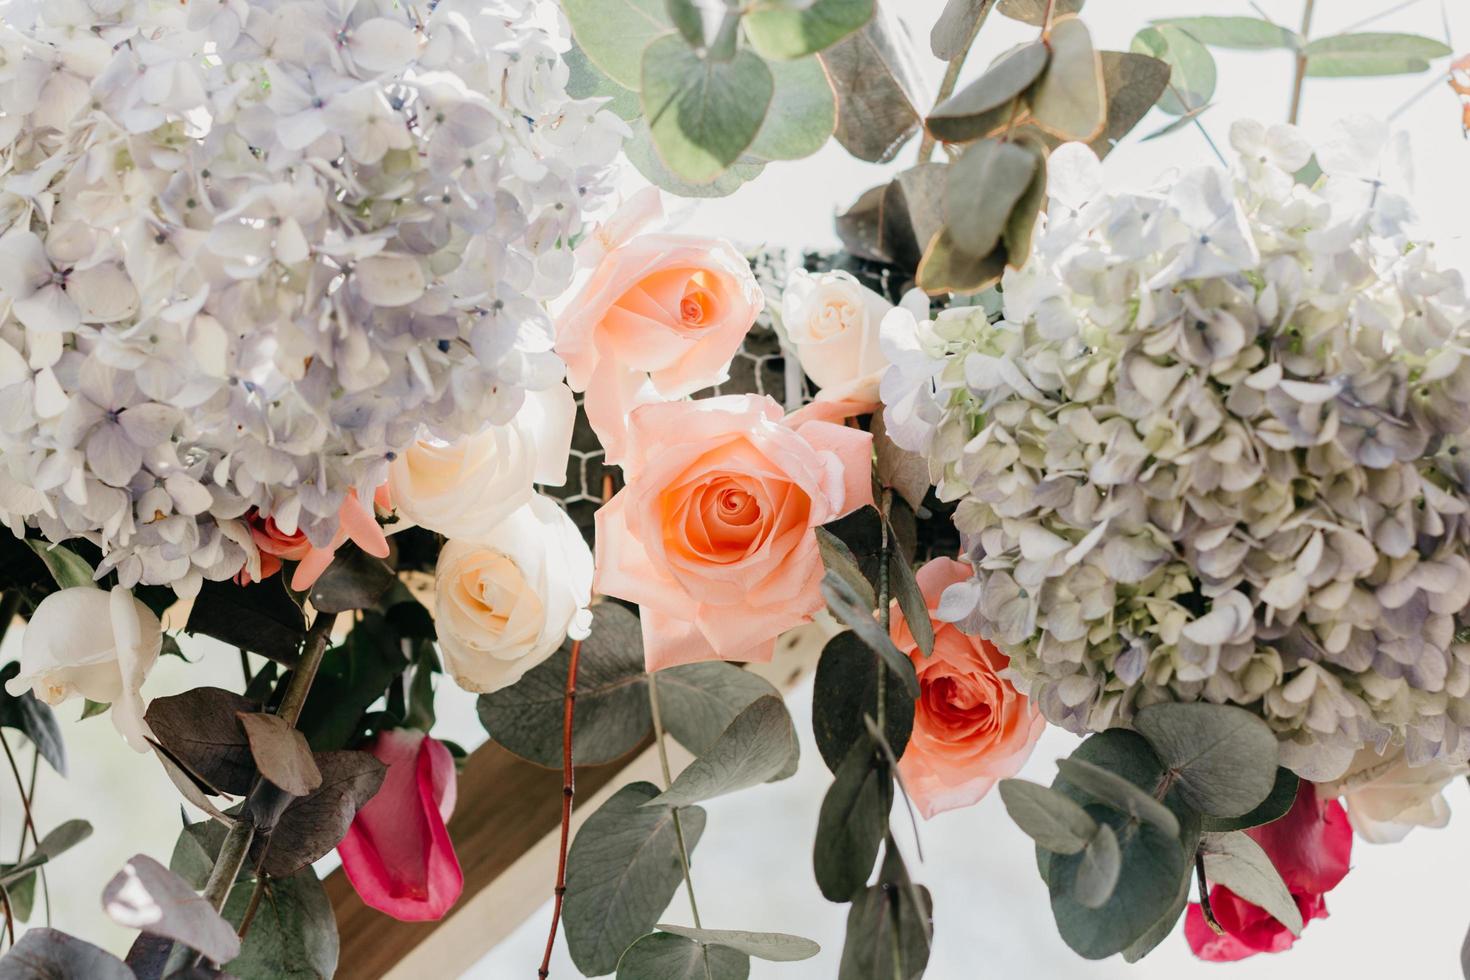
[832,321]
[94,644]
[1386,797]
[503,603]
[465,488]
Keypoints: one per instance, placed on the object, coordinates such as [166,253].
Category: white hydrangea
[249,249]
[1214,447]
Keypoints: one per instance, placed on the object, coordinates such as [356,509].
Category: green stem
[1299,79]
[884,546]
[952,77]
[305,670]
[663,761]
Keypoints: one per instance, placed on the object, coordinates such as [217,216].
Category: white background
[1402,911]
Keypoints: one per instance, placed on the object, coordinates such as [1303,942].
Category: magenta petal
[397,854]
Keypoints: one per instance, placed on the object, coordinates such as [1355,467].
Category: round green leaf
[1238,862]
[586,81]
[703,114]
[1224,757]
[1118,792]
[1068,101]
[639,150]
[803,112]
[1033,12]
[1370,54]
[665,956]
[1191,67]
[1241,33]
[699,701]
[947,268]
[983,107]
[1274,807]
[794,32]
[1098,869]
[615,32]
[759,745]
[985,185]
[846,689]
[777,947]
[850,825]
[1050,818]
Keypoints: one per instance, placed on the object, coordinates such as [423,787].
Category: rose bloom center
[835,317]
[722,519]
[962,703]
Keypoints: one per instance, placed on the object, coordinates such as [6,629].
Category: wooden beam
[505,829]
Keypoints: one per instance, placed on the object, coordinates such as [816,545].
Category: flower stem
[663,761]
[1299,79]
[568,791]
[952,77]
[885,504]
[1204,895]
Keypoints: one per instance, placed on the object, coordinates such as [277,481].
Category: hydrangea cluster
[1214,446]
[249,249]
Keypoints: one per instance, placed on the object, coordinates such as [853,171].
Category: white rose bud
[98,645]
[465,488]
[504,602]
[832,320]
[1386,797]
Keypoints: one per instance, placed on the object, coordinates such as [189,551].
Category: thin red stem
[568,791]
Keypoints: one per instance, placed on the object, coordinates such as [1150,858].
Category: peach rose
[713,536]
[660,317]
[972,728]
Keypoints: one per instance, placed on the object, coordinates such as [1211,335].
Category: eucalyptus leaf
[33,718]
[666,956]
[911,602]
[1033,12]
[1224,756]
[955,29]
[803,112]
[839,560]
[66,835]
[983,107]
[1163,927]
[622,870]
[1118,792]
[1192,70]
[847,606]
[1098,869]
[1021,224]
[312,825]
[904,471]
[1274,807]
[757,746]
[889,927]
[640,152]
[702,113]
[293,935]
[844,690]
[687,19]
[68,568]
[1241,33]
[201,734]
[260,617]
[1134,82]
[1068,100]
[1238,862]
[145,895]
[850,824]
[614,34]
[947,268]
[1372,54]
[586,81]
[281,753]
[880,90]
[777,947]
[44,953]
[354,580]
[783,33]
[985,184]
[699,701]
[351,677]
[612,714]
[1048,817]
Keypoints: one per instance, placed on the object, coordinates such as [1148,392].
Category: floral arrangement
[335,332]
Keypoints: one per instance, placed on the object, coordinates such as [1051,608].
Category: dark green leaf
[622,870]
[1118,792]
[49,954]
[687,19]
[68,568]
[1048,817]
[847,606]
[1239,863]
[793,32]
[195,850]
[1224,756]
[955,29]
[293,935]
[1068,100]
[702,113]
[889,928]
[612,715]
[880,94]
[22,894]
[665,956]
[699,701]
[312,825]
[846,689]
[1191,67]
[33,718]
[777,947]
[586,81]
[850,823]
[1241,33]
[1163,927]
[614,33]
[1033,12]
[1274,807]
[946,268]
[261,618]
[1346,55]
[758,745]
[351,677]
[67,835]
[1098,869]
[354,580]
[803,112]
[985,185]
[199,731]
[840,560]
[983,107]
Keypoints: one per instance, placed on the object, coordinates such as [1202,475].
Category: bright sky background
[1401,912]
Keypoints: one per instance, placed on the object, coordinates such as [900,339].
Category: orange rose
[713,536]
[972,728]
[660,317]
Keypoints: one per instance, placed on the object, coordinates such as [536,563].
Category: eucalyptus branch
[26,798]
[952,77]
[568,791]
[663,761]
[1299,79]
[1204,895]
